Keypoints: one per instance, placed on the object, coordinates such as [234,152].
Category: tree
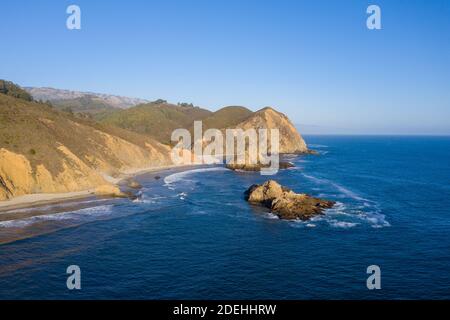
[11,89]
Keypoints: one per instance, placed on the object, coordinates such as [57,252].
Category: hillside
[46,151]
[290,139]
[226,117]
[157,120]
[10,89]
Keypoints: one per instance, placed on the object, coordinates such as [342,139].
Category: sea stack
[285,203]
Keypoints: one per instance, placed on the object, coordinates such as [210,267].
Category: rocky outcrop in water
[285,203]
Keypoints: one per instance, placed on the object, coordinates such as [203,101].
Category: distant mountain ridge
[52,95]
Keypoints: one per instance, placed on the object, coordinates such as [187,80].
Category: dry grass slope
[43,150]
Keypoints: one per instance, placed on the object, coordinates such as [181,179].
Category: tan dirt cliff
[45,151]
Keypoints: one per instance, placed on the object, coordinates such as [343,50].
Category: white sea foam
[376,219]
[182,195]
[182,176]
[270,215]
[342,224]
[140,200]
[365,209]
[145,198]
[338,209]
[55,206]
[71,215]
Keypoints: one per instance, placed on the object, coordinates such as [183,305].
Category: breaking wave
[182,176]
[56,205]
[93,212]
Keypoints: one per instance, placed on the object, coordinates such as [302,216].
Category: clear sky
[314,60]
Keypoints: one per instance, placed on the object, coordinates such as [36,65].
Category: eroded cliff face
[290,139]
[45,151]
[19,176]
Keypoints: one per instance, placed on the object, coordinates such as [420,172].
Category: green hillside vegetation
[226,117]
[13,90]
[157,119]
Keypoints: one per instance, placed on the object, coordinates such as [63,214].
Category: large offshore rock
[285,203]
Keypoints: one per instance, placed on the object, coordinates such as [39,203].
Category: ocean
[192,235]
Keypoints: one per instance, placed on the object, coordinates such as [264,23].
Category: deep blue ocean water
[192,235]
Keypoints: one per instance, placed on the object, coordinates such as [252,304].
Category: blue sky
[314,60]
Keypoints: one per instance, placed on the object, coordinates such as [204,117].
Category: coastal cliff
[46,150]
[290,139]
[158,120]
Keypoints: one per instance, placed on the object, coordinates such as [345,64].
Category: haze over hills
[82,101]
[46,150]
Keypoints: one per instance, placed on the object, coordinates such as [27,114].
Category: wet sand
[40,199]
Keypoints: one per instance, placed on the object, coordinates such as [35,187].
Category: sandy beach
[37,199]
